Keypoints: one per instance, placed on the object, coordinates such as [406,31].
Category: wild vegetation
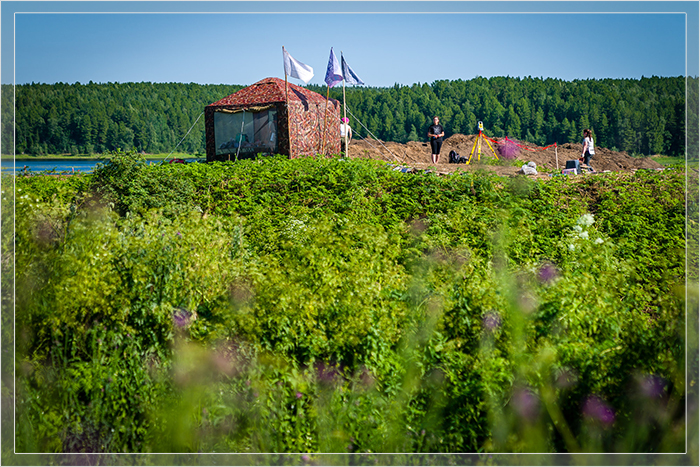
[336,306]
[641,116]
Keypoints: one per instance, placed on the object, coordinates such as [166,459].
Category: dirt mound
[417,155]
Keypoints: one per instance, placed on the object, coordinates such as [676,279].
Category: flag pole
[345,121]
[345,111]
[289,120]
[286,93]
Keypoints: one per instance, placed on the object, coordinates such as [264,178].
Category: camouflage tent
[256,120]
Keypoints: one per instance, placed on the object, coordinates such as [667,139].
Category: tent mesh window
[246,132]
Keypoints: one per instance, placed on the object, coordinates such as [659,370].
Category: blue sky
[384,42]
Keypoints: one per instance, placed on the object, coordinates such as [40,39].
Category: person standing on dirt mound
[435,134]
[588,147]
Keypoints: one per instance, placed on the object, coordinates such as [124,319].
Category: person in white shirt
[588,147]
[345,134]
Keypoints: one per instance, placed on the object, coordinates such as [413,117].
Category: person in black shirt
[435,134]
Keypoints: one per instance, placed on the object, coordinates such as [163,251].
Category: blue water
[59,165]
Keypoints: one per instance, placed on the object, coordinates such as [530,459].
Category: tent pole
[286,102]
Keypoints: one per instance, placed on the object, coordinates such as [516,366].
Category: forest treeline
[641,116]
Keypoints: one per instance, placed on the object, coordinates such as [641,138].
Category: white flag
[348,75]
[296,69]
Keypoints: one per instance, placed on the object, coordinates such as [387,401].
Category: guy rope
[375,138]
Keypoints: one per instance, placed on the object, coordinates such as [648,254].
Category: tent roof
[266,91]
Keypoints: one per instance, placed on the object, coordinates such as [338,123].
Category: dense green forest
[644,116]
[95,118]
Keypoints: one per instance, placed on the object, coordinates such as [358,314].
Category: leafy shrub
[99,308]
[126,183]
[283,306]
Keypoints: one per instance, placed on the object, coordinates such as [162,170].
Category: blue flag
[348,75]
[334,74]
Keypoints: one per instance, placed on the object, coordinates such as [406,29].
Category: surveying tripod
[477,144]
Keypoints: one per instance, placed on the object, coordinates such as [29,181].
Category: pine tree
[413,135]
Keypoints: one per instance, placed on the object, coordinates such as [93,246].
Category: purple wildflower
[548,273]
[182,317]
[653,386]
[525,404]
[597,409]
[566,379]
[299,395]
[305,458]
[326,373]
[491,321]
[178,234]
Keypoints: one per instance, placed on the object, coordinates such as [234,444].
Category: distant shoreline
[64,157]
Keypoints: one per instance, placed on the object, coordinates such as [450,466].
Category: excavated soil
[417,155]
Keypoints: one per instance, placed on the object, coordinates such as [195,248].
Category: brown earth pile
[417,155]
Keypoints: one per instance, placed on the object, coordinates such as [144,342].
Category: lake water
[59,165]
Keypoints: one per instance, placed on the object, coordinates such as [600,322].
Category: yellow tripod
[477,144]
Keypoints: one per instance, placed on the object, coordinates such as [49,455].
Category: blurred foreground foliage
[339,306]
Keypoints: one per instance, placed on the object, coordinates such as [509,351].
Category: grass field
[665,160]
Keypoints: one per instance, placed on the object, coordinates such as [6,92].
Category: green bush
[328,305]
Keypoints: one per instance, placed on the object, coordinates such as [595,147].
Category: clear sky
[384,42]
